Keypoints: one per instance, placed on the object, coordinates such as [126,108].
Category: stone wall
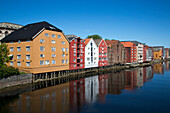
[15,80]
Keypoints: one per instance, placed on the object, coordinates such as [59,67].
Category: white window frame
[18,63]
[42,55]
[28,49]
[41,62]
[11,49]
[53,35]
[53,41]
[42,48]
[47,34]
[28,64]
[18,48]
[53,49]
[63,42]
[47,62]
[53,62]
[28,57]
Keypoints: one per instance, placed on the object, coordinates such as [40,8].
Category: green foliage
[4,52]
[8,71]
[94,36]
[107,39]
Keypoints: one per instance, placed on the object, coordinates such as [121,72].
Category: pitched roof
[87,41]
[110,42]
[29,31]
[97,41]
[70,38]
[127,44]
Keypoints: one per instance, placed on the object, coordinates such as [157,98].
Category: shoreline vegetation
[17,87]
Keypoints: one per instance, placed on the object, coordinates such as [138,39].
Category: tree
[4,52]
[94,36]
[106,39]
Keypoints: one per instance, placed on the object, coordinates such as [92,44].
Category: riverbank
[19,80]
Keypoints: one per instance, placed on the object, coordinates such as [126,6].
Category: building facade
[116,52]
[102,47]
[91,53]
[158,52]
[131,52]
[77,53]
[37,48]
[139,48]
[147,53]
[167,53]
[6,28]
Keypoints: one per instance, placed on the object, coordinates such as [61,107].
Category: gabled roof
[86,41]
[97,41]
[29,31]
[127,44]
[135,42]
[70,38]
[110,42]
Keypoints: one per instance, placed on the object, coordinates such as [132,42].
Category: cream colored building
[6,28]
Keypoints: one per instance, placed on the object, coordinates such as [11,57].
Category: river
[138,90]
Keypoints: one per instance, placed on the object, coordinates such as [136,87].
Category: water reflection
[74,95]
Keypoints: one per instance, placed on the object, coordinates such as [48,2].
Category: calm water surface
[145,90]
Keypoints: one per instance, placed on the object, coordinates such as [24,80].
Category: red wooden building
[131,52]
[102,47]
[77,53]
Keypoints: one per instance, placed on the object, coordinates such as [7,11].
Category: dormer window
[19,41]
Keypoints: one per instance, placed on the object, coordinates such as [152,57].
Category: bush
[8,71]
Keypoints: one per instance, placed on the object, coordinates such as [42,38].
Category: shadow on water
[89,94]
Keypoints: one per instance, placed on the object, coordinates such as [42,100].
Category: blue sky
[147,21]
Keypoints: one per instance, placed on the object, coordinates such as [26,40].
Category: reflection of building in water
[167,65]
[140,77]
[158,68]
[91,89]
[48,100]
[103,86]
[116,82]
[77,95]
[131,79]
[149,72]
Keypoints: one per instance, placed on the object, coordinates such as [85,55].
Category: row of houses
[41,47]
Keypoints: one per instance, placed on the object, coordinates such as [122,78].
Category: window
[66,60]
[28,64]
[100,53]
[63,61]
[81,65]
[81,50]
[18,63]
[94,48]
[75,40]
[88,59]
[59,36]
[63,49]
[53,35]
[105,53]
[88,62]
[81,54]
[18,48]
[66,49]
[88,48]
[19,41]
[11,49]
[105,58]
[41,40]
[47,62]
[28,57]
[74,60]
[74,54]
[53,49]
[42,55]
[53,41]
[74,50]
[102,43]
[42,62]
[28,48]
[53,55]
[74,44]
[53,62]
[42,48]
[11,63]
[18,57]
[46,34]
[95,58]
[81,60]
[63,55]
[81,45]
[62,42]
[88,53]
[100,58]
[74,65]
